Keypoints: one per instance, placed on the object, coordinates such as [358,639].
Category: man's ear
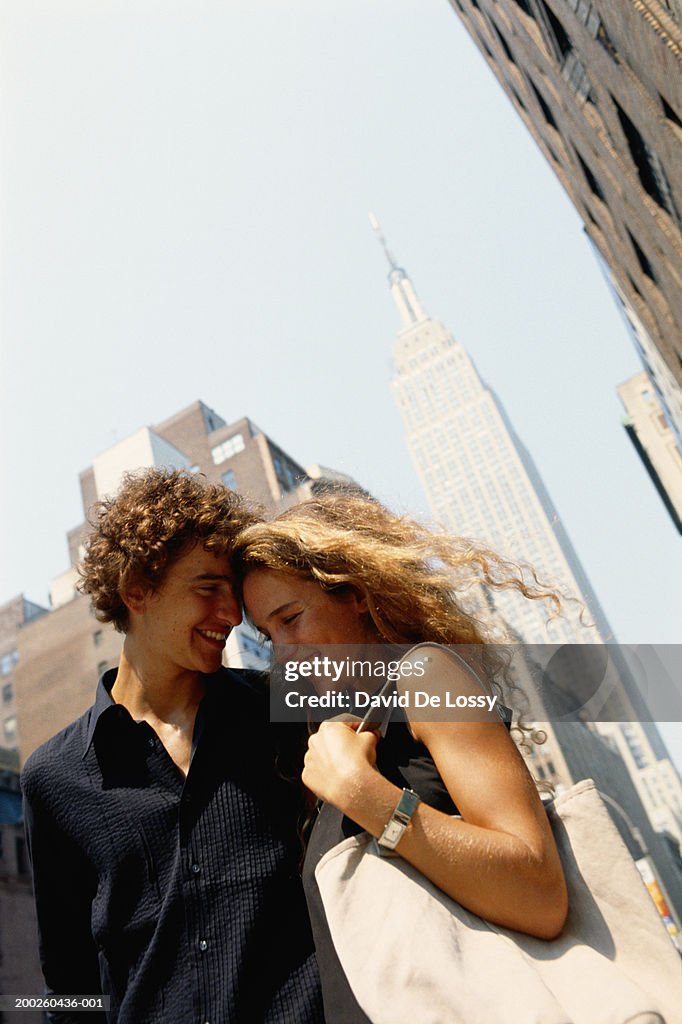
[134,598]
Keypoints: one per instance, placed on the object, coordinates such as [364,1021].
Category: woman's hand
[499,858]
[339,762]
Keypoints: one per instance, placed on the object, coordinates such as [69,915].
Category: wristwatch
[399,820]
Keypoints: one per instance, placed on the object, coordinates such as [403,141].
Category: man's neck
[168,703]
[151,692]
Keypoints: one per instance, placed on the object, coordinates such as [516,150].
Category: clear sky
[183,192]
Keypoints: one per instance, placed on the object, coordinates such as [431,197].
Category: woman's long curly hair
[419,584]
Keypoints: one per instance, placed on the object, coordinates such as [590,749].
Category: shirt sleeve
[64,888]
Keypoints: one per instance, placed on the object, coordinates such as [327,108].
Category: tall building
[597,84]
[654,442]
[653,773]
[481,482]
[478,478]
[55,659]
[14,615]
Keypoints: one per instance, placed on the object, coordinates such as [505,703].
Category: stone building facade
[598,85]
[14,615]
[654,442]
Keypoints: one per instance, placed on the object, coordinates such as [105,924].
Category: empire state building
[479,480]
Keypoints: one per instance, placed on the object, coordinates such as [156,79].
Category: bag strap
[378,718]
[369,720]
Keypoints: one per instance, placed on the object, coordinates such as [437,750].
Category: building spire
[410,308]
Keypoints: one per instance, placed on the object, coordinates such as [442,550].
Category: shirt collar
[103,702]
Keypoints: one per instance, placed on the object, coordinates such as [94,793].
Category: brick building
[14,615]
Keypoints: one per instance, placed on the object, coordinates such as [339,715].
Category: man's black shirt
[178,897]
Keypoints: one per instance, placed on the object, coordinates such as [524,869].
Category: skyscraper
[654,442]
[481,482]
[597,84]
[478,478]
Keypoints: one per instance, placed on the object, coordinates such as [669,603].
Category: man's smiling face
[184,624]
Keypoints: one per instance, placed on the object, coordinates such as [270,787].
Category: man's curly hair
[155,517]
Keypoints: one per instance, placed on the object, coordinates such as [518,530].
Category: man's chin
[212,664]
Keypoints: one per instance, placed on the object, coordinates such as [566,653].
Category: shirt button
[203,945]
[195,869]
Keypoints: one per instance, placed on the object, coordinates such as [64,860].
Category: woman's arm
[500,860]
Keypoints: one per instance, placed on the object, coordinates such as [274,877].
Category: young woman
[343,570]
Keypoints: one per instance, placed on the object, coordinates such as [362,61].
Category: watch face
[400,819]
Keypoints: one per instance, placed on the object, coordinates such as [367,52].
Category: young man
[163,838]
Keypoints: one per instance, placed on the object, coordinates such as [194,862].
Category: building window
[642,259]
[230,480]
[573,71]
[634,286]
[588,14]
[649,168]
[8,661]
[590,179]
[9,727]
[231,446]
[97,638]
[503,41]
[102,666]
[525,7]
[7,693]
[549,117]
[669,112]
[485,47]
[605,40]
[557,32]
